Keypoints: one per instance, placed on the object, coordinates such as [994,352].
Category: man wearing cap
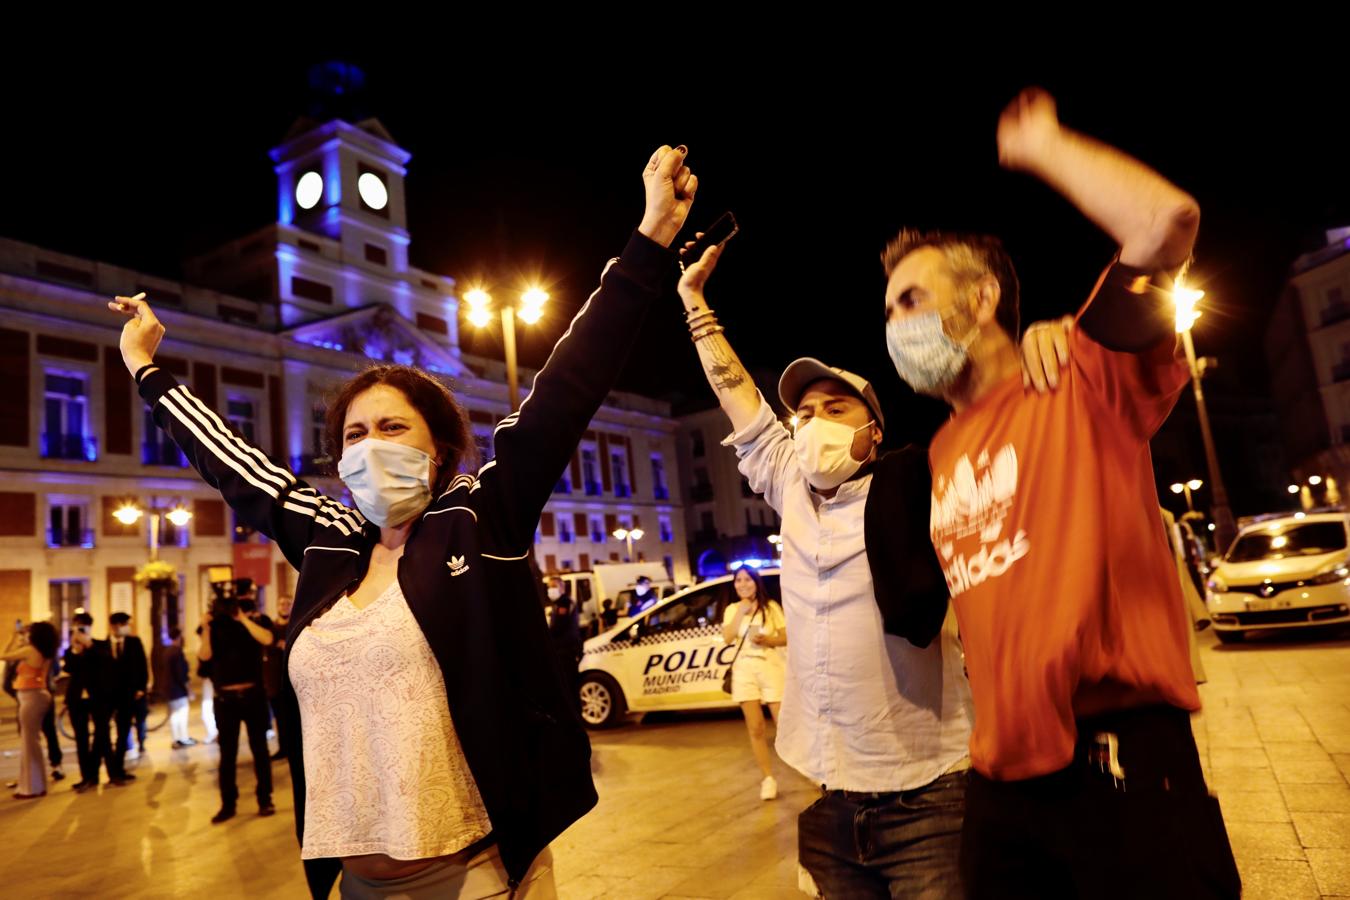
[875,710]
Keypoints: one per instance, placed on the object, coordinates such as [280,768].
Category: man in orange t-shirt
[1086,777]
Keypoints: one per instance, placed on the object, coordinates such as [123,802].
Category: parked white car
[1288,571]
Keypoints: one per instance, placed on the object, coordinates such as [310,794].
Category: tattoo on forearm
[725,378]
[724,370]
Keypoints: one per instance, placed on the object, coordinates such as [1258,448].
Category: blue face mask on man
[924,355]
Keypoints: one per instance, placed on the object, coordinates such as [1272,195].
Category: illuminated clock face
[308,190]
[373,192]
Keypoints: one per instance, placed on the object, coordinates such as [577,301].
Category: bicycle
[156,713]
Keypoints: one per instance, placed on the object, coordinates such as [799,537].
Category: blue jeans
[903,844]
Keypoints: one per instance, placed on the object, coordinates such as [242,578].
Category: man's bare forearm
[1154,222]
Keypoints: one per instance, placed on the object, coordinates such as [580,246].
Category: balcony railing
[70,537]
[75,447]
[165,454]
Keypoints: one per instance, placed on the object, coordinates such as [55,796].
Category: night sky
[144,165]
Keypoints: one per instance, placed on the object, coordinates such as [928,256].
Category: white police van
[669,657]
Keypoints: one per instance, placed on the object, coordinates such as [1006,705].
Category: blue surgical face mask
[390,482]
[924,355]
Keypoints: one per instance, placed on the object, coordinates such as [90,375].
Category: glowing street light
[531,311]
[1186,488]
[1186,300]
[479,302]
[1331,493]
[532,305]
[130,514]
[628,535]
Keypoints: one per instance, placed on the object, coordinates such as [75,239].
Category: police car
[669,657]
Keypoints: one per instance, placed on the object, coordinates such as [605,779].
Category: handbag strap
[749,620]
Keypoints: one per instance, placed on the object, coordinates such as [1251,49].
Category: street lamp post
[1186,488]
[160,589]
[130,513]
[1331,494]
[531,310]
[628,535]
[1186,300]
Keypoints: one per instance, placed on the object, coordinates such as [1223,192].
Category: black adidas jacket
[463,570]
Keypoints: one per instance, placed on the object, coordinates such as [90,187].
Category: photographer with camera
[233,641]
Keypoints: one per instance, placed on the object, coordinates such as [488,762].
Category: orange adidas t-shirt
[1045,520]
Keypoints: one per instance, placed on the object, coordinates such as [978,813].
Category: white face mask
[390,482]
[824,452]
[554,593]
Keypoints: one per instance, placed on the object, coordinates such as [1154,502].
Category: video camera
[227,596]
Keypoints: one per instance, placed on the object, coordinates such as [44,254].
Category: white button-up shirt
[862,710]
